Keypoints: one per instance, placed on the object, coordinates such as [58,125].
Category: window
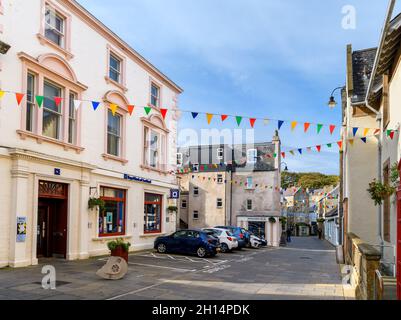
[72,120]
[113,134]
[220,154]
[251,156]
[386,204]
[51,112]
[184,203]
[54,27]
[249,205]
[153,213]
[154,149]
[112,218]
[249,183]
[30,102]
[196,191]
[155,95]
[179,159]
[220,178]
[196,215]
[115,68]
[195,167]
[219,203]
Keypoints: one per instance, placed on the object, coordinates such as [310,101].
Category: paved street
[306,269]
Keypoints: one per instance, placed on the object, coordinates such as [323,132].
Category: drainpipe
[379,116]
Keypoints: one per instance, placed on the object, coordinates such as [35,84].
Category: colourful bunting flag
[194,115]
[319,128]
[252,122]
[19,97]
[239,120]
[340,144]
[300,151]
[163,113]
[275,155]
[95,105]
[354,131]
[309,149]
[364,140]
[209,117]
[39,100]
[377,131]
[292,152]
[130,108]
[319,148]
[113,108]
[77,104]
[391,135]
[283,155]
[1,94]
[306,126]
[293,125]
[224,117]
[351,141]
[332,128]
[57,101]
[266,122]
[329,145]
[280,124]
[147,110]
[365,132]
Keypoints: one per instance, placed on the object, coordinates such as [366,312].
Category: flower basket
[96,202]
[119,248]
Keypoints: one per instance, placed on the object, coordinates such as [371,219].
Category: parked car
[247,236]
[238,233]
[255,241]
[188,242]
[227,240]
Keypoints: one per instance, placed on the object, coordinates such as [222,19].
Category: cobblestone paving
[305,269]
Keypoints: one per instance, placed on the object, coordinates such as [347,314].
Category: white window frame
[251,156]
[59,114]
[193,215]
[61,33]
[157,105]
[217,203]
[220,179]
[249,201]
[220,154]
[120,116]
[119,72]
[196,194]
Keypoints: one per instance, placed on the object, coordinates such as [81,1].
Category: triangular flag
[39,100]
[306,126]
[332,128]
[95,105]
[293,125]
[239,120]
[309,149]
[1,94]
[209,117]
[147,110]
[364,140]
[224,117]
[354,131]
[300,151]
[275,155]
[365,132]
[283,155]
[388,132]
[340,144]
[113,108]
[292,152]
[194,114]
[351,141]
[57,101]
[319,148]
[252,122]
[319,128]
[77,104]
[19,97]
[280,124]
[163,113]
[391,135]
[377,131]
[329,145]
[266,122]
[130,108]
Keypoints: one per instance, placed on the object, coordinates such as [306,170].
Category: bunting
[130,109]
[306,126]
[147,110]
[319,128]
[280,124]
[95,105]
[239,120]
[57,101]
[224,117]
[332,128]
[209,117]
[113,108]
[19,97]
[252,122]
[194,115]
[293,125]
[354,131]
[39,100]
[77,104]
[163,113]
[2,93]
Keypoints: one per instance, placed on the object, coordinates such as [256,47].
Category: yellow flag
[293,125]
[365,132]
[1,94]
[113,108]
[351,141]
[209,118]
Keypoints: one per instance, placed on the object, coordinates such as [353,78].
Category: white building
[56,154]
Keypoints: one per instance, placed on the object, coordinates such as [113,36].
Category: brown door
[43,227]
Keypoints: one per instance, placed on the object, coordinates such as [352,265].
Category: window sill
[44,41]
[148,168]
[150,235]
[118,85]
[104,239]
[107,157]
[39,139]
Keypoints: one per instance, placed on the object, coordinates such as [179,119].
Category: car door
[177,240]
[194,241]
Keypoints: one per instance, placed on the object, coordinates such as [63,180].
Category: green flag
[319,128]
[39,101]
[329,145]
[239,120]
[147,110]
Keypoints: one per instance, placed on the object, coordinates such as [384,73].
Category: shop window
[112,218]
[153,213]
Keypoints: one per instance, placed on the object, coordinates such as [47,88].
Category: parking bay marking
[161,267]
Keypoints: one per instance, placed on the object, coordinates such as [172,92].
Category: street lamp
[286,166]
[332,102]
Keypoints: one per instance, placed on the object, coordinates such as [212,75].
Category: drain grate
[58,283]
[306,258]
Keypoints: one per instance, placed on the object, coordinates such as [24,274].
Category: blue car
[239,233]
[195,242]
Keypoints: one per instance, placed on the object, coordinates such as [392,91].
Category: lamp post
[332,101]
[286,166]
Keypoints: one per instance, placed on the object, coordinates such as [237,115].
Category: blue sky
[257,58]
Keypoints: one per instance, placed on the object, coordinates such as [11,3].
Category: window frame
[220,154]
[218,200]
[220,179]
[123,233]
[195,194]
[153,84]
[63,19]
[59,113]
[160,203]
[249,186]
[112,55]
[249,201]
[193,215]
[72,119]
[180,159]
[30,104]
[182,204]
[119,137]
[254,160]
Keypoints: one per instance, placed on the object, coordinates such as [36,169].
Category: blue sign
[138,179]
[21,229]
[174,194]
[57,172]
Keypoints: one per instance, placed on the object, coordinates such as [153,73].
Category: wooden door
[43,230]
[59,228]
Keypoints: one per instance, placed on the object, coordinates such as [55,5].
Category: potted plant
[172,209]
[96,203]
[320,220]
[119,248]
[379,191]
[272,220]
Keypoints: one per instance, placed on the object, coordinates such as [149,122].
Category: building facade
[232,185]
[79,133]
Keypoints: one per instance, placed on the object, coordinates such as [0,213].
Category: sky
[256,58]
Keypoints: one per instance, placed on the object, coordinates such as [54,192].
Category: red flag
[164,113]
[306,126]
[332,128]
[57,100]
[319,148]
[391,135]
[283,155]
[131,109]
[19,97]
[252,122]
[224,117]
[340,144]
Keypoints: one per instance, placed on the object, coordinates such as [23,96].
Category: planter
[120,252]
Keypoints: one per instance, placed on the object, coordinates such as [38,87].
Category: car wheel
[224,248]
[201,252]
[161,248]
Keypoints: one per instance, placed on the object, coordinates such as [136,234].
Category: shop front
[266,227]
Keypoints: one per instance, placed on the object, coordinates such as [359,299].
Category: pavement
[304,270]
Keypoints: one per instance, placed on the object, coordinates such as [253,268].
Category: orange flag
[351,141]
[209,117]
[306,126]
[131,109]
[340,144]
[19,97]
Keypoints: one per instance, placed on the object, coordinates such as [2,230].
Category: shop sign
[21,229]
[174,194]
[135,178]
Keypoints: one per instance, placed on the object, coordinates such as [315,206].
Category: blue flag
[194,114]
[364,140]
[355,130]
[280,124]
[95,105]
